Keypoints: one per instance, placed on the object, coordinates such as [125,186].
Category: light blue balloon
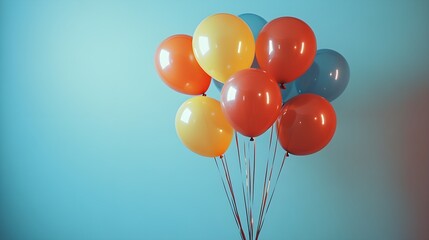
[328,76]
[256,23]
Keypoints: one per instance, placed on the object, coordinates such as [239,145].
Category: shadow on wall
[408,117]
[412,124]
[383,163]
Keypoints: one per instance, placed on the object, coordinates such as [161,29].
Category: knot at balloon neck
[252,139]
[204,95]
[282,86]
[221,156]
[287,154]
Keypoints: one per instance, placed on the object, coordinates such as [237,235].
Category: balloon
[306,124]
[251,101]
[202,126]
[328,76]
[178,68]
[223,44]
[286,48]
[256,23]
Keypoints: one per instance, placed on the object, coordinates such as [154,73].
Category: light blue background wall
[88,147]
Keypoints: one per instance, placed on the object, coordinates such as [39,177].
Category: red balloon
[286,48]
[178,68]
[251,101]
[306,124]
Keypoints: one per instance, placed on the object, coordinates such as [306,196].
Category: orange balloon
[202,126]
[306,124]
[251,101]
[286,48]
[178,68]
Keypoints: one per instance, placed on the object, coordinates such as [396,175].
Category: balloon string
[227,173]
[231,189]
[228,177]
[254,167]
[238,150]
[267,189]
[253,188]
[247,167]
[274,188]
[241,180]
[226,192]
[250,190]
[271,138]
[263,197]
[277,179]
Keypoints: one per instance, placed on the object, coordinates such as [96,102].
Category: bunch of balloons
[254,63]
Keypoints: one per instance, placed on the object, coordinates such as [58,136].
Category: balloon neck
[252,139]
[282,86]
[287,154]
[221,156]
[204,94]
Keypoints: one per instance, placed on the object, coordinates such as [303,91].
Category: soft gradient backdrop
[88,148]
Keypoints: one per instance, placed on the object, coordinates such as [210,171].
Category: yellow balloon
[202,126]
[223,44]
